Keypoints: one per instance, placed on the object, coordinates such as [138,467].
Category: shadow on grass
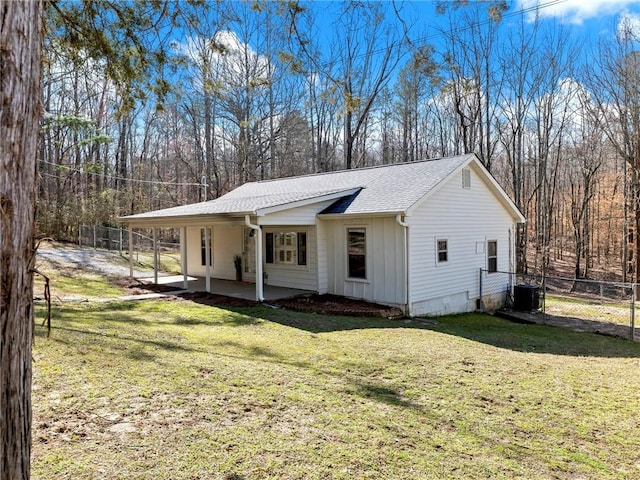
[384,394]
[136,352]
[481,328]
[533,338]
[233,476]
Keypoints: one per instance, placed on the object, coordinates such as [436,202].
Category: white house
[413,235]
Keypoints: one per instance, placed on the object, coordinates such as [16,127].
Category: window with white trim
[286,248]
[442,250]
[357,253]
[492,256]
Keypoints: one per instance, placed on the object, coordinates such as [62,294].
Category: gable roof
[386,189]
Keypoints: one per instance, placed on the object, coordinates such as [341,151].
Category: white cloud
[230,59]
[629,26]
[576,11]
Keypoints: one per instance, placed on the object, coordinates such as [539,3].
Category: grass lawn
[168,262]
[180,390]
[589,309]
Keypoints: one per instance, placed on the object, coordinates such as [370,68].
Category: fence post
[544,298]
[601,293]
[80,236]
[120,244]
[633,311]
[94,237]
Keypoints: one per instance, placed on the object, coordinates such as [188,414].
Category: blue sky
[587,21]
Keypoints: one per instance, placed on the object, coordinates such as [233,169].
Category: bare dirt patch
[335,305]
[320,304]
[137,287]
[212,299]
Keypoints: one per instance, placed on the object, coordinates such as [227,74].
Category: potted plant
[237,262]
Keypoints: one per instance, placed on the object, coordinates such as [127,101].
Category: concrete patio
[229,288]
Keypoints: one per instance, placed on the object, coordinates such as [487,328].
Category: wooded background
[156,104]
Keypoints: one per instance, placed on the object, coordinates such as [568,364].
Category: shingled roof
[383,189]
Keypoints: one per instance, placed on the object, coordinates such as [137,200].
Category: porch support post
[259,277]
[130,251]
[155,255]
[207,256]
[183,255]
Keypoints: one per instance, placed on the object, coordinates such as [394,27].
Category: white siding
[226,242]
[467,218]
[296,216]
[385,281]
[304,277]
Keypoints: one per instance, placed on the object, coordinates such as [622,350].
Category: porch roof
[229,206]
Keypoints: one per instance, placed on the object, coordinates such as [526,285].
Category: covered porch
[229,288]
[267,240]
[207,277]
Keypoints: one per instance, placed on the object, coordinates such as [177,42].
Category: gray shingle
[384,189]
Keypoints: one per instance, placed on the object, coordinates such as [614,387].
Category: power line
[113,177]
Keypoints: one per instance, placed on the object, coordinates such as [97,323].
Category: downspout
[405,232]
[259,279]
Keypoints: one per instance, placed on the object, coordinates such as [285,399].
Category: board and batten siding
[304,277]
[386,279]
[322,256]
[467,218]
[226,243]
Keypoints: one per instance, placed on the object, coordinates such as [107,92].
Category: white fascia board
[260,212]
[338,216]
[502,195]
[182,220]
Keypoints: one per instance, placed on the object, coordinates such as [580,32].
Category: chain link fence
[605,307]
[110,238]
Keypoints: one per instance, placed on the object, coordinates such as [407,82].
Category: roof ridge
[372,167]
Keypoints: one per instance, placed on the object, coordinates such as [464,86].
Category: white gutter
[259,279]
[405,231]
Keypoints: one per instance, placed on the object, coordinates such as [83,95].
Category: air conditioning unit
[526,298]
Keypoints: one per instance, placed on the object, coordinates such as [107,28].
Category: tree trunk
[20,94]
